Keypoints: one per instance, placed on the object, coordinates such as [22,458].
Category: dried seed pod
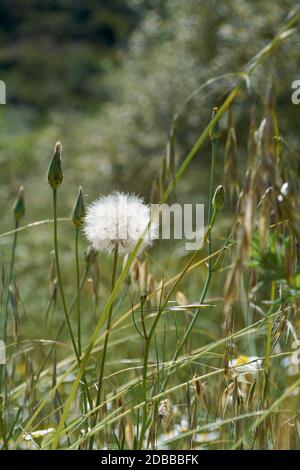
[135,274]
[230,158]
[199,391]
[165,413]
[129,434]
[143,276]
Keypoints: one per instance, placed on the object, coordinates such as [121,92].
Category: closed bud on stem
[214,132]
[78,212]
[19,205]
[55,174]
[218,198]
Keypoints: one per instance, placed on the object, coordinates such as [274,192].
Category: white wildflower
[245,367]
[119,221]
[37,434]
[292,362]
[283,191]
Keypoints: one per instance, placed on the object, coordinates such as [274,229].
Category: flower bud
[214,132]
[19,206]
[78,212]
[218,198]
[55,174]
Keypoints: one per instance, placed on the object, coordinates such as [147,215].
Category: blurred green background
[106,78]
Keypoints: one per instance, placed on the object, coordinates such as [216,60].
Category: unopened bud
[214,132]
[19,206]
[55,174]
[78,212]
[218,198]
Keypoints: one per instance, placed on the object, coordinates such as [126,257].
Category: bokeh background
[106,77]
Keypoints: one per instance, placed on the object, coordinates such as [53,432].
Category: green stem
[148,342]
[143,320]
[104,351]
[61,290]
[2,426]
[78,292]
[269,331]
[10,279]
[3,382]
[144,388]
[211,221]
[60,330]
[214,146]
[59,279]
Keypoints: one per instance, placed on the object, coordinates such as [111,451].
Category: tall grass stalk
[62,295]
[159,313]
[211,218]
[78,292]
[114,326]
[184,362]
[10,279]
[59,278]
[104,351]
[18,213]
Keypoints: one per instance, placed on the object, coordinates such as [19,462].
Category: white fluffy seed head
[118,221]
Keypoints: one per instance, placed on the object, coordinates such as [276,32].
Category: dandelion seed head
[119,220]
